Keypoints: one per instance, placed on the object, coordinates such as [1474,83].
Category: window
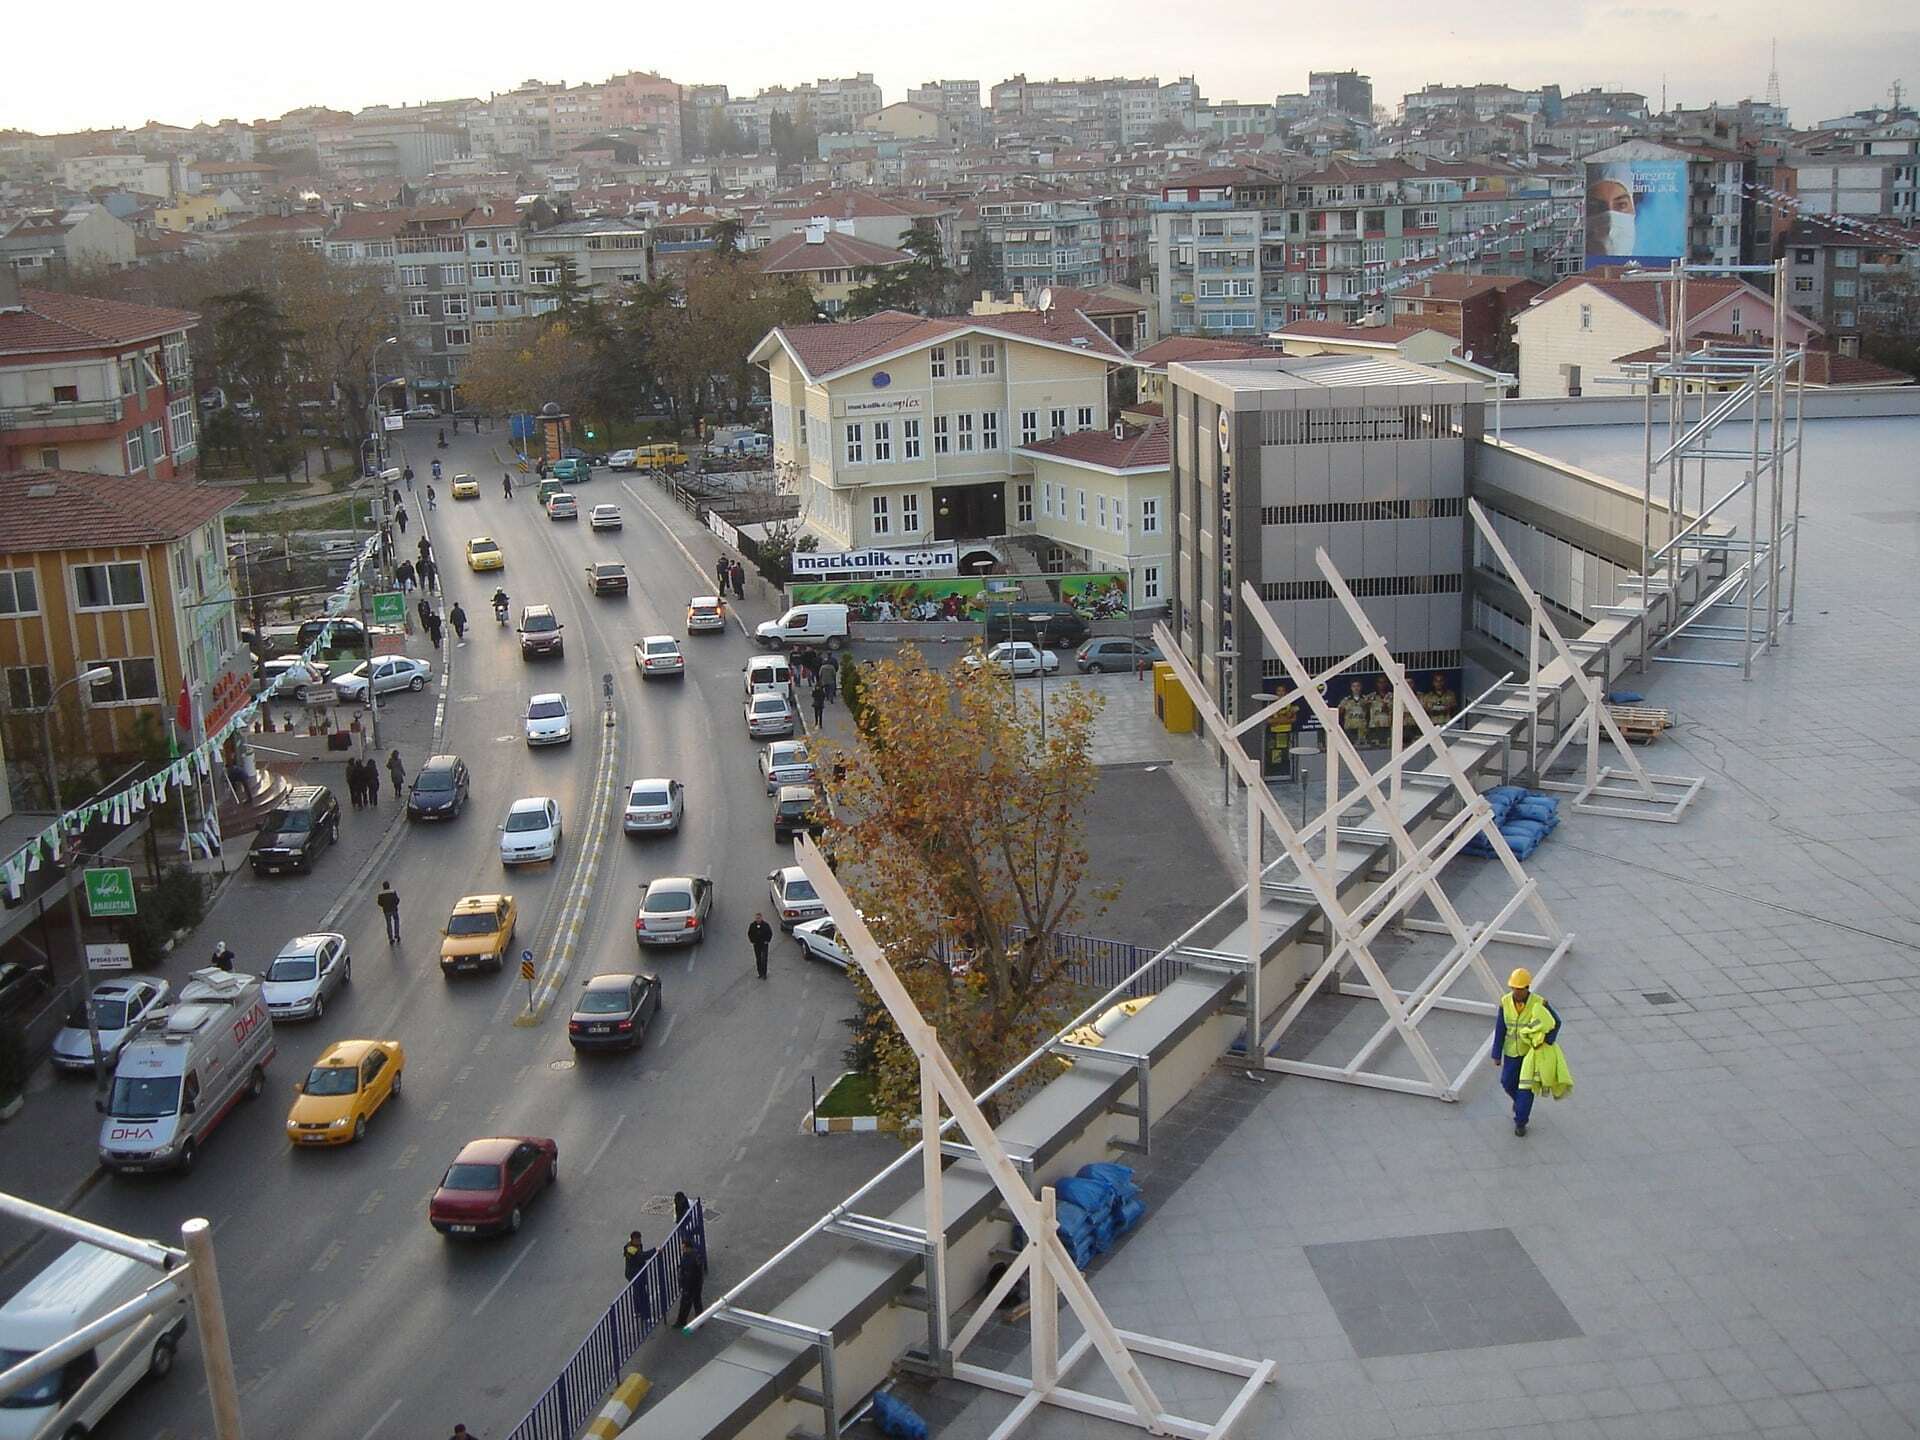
[1427,220]
[937,362]
[133,682]
[156,444]
[49,457]
[1149,582]
[1085,418]
[1029,426]
[882,441]
[966,433]
[118,586]
[136,451]
[910,513]
[29,687]
[1083,506]
[1846,259]
[856,444]
[1100,511]
[454,307]
[962,359]
[509,299]
[1803,285]
[1150,516]
[414,276]
[1023,504]
[990,430]
[1586,317]
[1056,422]
[180,422]
[543,274]
[940,443]
[1046,499]
[485,330]
[882,525]
[419,308]
[458,335]
[1845,289]
[1844,319]
[989,358]
[510,270]
[66,394]
[483,270]
[485,300]
[127,382]
[910,439]
[1734,318]
[19,593]
[453,275]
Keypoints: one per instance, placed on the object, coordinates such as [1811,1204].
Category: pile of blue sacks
[1525,818]
[1094,1208]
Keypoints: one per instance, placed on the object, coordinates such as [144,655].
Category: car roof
[704,600]
[656,781]
[307,944]
[785,745]
[440,762]
[613,982]
[795,792]
[609,565]
[530,802]
[651,639]
[115,987]
[547,695]
[490,1150]
[763,662]
[482,540]
[302,795]
[767,697]
[479,902]
[786,874]
[346,1052]
[539,610]
[671,882]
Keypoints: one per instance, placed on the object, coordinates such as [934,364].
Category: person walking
[397,771]
[637,1255]
[433,628]
[408,472]
[370,778]
[423,610]
[432,500]
[739,581]
[693,1275]
[404,574]
[457,618]
[400,517]
[819,703]
[830,675]
[425,548]
[353,784]
[1523,1024]
[223,958]
[681,1205]
[721,573]
[389,902]
[506,484]
[760,936]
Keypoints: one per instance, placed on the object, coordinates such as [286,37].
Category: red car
[490,1184]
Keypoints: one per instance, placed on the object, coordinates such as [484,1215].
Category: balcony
[60,417]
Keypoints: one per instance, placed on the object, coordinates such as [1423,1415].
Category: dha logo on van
[130,1132]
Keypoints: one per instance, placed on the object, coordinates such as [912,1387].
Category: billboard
[1636,212]
[1096,596]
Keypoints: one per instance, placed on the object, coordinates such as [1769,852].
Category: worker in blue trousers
[1523,1022]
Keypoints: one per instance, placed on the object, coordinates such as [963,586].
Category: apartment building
[608,254]
[896,428]
[1476,310]
[117,171]
[827,105]
[1482,101]
[1872,174]
[1115,111]
[1655,201]
[958,100]
[1850,282]
[1341,92]
[1275,458]
[45,243]
[1034,240]
[388,147]
[1103,503]
[831,265]
[95,385]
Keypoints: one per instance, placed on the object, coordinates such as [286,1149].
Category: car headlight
[339,1124]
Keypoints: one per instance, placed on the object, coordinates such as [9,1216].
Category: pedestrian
[370,777]
[457,618]
[425,547]
[223,958]
[397,771]
[433,628]
[394,491]
[400,517]
[739,581]
[819,703]
[830,675]
[389,902]
[432,503]
[408,472]
[1524,1023]
[506,484]
[681,1205]
[460,1432]
[353,783]
[423,610]
[721,571]
[693,1275]
[404,574]
[637,1255]
[760,936]
[430,575]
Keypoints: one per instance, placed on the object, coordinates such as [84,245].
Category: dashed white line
[605,1145]
[508,1275]
[385,1415]
[773,1093]
[668,1030]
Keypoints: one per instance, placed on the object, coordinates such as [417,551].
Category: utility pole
[74,872]
[216,1350]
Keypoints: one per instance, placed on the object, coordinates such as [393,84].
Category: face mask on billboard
[1619,233]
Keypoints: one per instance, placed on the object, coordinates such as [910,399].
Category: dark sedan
[490,1184]
[613,1012]
[439,791]
[607,577]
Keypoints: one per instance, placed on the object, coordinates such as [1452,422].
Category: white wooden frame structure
[1412,875]
[1045,1261]
[1629,791]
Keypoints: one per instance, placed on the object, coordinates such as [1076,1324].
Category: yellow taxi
[465,487]
[350,1080]
[478,934]
[484,553]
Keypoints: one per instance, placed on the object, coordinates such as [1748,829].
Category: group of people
[363,779]
[637,1254]
[820,672]
[730,575]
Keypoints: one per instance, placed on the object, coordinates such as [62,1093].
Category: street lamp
[85,677]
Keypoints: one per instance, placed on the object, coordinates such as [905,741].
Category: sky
[218,58]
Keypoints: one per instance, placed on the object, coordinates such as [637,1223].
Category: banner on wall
[1636,212]
[1098,596]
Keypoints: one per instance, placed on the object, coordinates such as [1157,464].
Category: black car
[347,633]
[295,830]
[439,791]
[540,632]
[797,808]
[613,1012]
[1042,622]
[607,577]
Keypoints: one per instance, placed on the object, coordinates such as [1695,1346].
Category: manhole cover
[1659,997]
[560,1064]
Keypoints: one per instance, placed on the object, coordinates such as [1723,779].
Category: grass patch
[334,515]
[851,1094]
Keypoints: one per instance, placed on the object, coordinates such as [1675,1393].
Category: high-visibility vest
[1535,1020]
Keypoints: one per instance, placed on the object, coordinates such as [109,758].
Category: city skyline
[1696,57]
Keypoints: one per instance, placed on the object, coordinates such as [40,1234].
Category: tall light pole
[353,510]
[85,677]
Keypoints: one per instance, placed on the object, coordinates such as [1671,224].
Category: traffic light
[589,434]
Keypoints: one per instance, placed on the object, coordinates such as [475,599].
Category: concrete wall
[1620,409]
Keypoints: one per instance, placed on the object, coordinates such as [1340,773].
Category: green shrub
[179,898]
[146,932]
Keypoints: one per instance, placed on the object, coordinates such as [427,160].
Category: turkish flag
[183,711]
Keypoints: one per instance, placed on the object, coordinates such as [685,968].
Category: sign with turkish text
[840,562]
[389,608]
[109,957]
[394,422]
[880,405]
[110,891]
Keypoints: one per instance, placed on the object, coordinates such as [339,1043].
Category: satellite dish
[1046,300]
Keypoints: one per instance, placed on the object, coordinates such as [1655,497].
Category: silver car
[786,762]
[674,911]
[794,898]
[119,1009]
[307,970]
[767,714]
[654,806]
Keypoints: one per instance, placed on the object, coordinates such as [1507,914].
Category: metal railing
[589,1377]
[59,414]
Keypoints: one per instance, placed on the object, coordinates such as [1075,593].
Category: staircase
[269,788]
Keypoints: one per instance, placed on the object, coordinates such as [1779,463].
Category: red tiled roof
[1825,368]
[67,509]
[1361,334]
[1649,298]
[1452,285]
[1151,408]
[1092,302]
[51,320]
[1177,349]
[279,225]
[368,225]
[792,254]
[828,349]
[1134,448]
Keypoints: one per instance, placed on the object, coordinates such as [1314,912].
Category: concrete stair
[237,818]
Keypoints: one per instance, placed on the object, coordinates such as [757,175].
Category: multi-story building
[958,100]
[1103,504]
[827,105]
[1482,101]
[117,171]
[1210,266]
[699,106]
[1276,458]
[896,428]
[1036,240]
[1871,174]
[830,264]
[97,385]
[1226,120]
[1093,112]
[1476,310]
[1341,92]
[1656,201]
[46,243]
[608,254]
[1598,104]
[1852,282]
[374,149]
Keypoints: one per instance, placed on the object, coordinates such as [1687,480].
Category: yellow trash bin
[1170,701]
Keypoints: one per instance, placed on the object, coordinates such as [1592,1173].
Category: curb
[618,1412]
[67,1206]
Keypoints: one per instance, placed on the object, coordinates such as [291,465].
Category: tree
[729,237]
[924,285]
[698,348]
[794,140]
[524,365]
[252,349]
[573,302]
[723,136]
[958,821]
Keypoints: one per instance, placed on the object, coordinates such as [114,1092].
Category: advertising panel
[1636,212]
[1097,596]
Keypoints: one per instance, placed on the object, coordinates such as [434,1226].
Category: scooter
[500,613]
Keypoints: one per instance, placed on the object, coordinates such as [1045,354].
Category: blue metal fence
[1102,964]
[589,1377]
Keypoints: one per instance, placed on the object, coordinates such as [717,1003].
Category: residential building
[1876,173]
[372,149]
[1576,337]
[959,100]
[187,213]
[1091,112]
[904,120]
[876,219]
[1655,201]
[1228,120]
[1415,344]
[1481,101]
[117,171]
[199,176]
[1341,92]
[1598,104]
[1037,239]
[1124,315]
[1210,267]
[1183,349]
[608,254]
[1476,310]
[44,243]
[96,385]
[1102,502]
[896,428]
[1276,458]
[126,572]
[1851,281]
[831,265]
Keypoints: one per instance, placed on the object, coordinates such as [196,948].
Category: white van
[179,1076]
[806,625]
[768,672]
[79,1288]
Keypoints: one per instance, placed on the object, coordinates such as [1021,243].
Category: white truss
[1413,869]
[1044,1261]
[1629,791]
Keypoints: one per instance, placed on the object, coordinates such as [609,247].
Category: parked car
[786,762]
[342,1091]
[1041,622]
[706,614]
[423,412]
[1116,652]
[674,911]
[119,1008]
[654,806]
[307,970]
[305,821]
[1018,657]
[797,809]
[478,934]
[390,672]
[292,678]
[613,1011]
[23,986]
[531,831]
[562,506]
[794,898]
[820,940]
[620,460]
[605,517]
[607,577]
[767,714]
[819,624]
[658,656]
[549,721]
[343,632]
[490,1184]
[540,632]
[768,672]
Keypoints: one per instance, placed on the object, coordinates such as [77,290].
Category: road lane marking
[385,1415]
[668,1031]
[506,1277]
[440,1110]
[321,1316]
[773,1093]
[275,1316]
[327,1256]
[705,576]
[463,1074]
[406,1157]
[372,1262]
[604,1146]
[480,1046]
[372,1202]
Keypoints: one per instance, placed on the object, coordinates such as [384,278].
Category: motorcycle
[500,612]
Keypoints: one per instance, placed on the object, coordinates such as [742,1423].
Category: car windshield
[796,807]
[527,820]
[539,623]
[667,902]
[604,1002]
[36,1396]
[473,922]
[648,799]
[789,754]
[432,780]
[294,967]
[359,670]
[332,1080]
[472,1177]
[144,1098]
[801,888]
[546,709]
[292,822]
[109,1014]
[481,547]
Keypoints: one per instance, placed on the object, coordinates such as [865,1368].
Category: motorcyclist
[457,618]
[506,484]
[500,606]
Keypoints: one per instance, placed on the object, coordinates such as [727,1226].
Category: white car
[621,460]
[820,940]
[605,517]
[794,898]
[659,655]
[1020,657]
[549,721]
[119,1008]
[767,714]
[768,672]
[307,970]
[291,678]
[654,805]
[423,412]
[786,762]
[674,911]
[390,672]
[531,832]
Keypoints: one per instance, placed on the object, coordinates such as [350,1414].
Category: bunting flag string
[1780,201]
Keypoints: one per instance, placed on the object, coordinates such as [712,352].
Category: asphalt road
[350,1316]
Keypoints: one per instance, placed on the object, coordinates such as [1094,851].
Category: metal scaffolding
[1406,892]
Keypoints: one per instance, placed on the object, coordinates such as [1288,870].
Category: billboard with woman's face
[1636,212]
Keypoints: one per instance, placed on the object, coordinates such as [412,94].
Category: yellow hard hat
[1521,979]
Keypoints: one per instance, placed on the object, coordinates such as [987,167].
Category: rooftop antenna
[1773,78]
[1894,92]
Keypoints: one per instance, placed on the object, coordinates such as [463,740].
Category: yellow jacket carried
[1544,1071]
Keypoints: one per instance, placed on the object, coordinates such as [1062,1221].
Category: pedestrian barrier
[589,1377]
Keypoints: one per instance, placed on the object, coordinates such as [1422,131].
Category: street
[350,1316]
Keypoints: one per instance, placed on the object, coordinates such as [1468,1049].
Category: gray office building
[1275,458]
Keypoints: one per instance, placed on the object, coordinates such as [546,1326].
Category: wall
[1623,409]
[1550,337]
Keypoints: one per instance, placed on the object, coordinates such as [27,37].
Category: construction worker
[1353,715]
[1523,1023]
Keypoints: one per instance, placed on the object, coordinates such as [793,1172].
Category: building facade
[831,265]
[1037,240]
[608,254]
[1102,503]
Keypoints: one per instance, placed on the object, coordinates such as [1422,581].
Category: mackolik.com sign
[844,562]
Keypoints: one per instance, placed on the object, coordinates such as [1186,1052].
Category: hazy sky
[121,64]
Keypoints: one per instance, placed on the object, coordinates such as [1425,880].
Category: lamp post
[85,677]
